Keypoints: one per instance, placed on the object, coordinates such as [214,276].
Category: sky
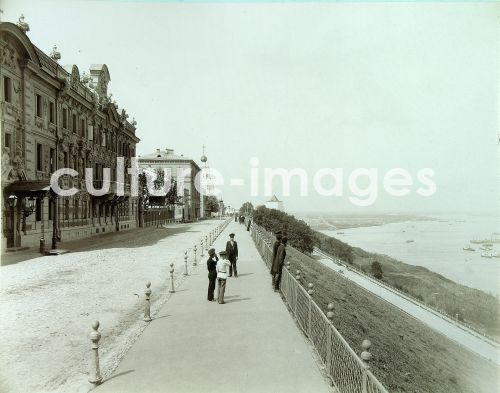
[301,85]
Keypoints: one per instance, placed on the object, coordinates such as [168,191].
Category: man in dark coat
[276,244]
[232,254]
[277,267]
[212,273]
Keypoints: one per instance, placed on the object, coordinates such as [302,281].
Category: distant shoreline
[339,222]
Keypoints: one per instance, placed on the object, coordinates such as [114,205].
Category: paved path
[249,344]
[469,339]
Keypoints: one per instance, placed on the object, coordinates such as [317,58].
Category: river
[436,244]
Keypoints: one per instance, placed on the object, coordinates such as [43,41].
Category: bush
[376,270]
[298,232]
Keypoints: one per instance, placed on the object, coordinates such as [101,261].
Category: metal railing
[438,312]
[349,373]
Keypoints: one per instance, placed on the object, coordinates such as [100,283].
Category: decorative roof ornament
[204,157]
[85,78]
[133,122]
[55,54]
[23,25]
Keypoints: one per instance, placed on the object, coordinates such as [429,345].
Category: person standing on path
[222,266]
[276,244]
[232,254]
[212,273]
[278,262]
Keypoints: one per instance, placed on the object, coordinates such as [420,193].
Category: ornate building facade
[177,165]
[53,117]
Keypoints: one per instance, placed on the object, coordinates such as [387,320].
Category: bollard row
[95,377]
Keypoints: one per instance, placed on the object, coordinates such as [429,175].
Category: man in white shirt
[222,265]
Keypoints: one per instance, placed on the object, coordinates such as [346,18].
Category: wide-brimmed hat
[222,253]
[211,251]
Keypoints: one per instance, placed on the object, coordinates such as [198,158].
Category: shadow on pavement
[118,375]
[133,238]
[238,300]
[244,274]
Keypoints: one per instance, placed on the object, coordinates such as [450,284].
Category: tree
[376,270]
[212,204]
[160,179]
[246,208]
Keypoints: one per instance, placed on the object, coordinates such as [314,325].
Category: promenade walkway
[249,344]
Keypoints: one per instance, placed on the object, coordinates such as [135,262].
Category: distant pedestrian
[232,254]
[212,273]
[222,266]
[235,218]
[249,223]
[276,244]
[278,262]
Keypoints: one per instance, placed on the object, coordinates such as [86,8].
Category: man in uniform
[232,254]
[278,262]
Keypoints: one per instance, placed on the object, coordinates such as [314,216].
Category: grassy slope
[422,361]
[473,306]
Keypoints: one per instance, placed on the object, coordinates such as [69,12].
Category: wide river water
[437,245]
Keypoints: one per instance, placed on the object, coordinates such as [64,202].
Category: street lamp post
[12,205]
[55,217]
[42,227]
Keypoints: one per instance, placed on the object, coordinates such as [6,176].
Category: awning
[28,188]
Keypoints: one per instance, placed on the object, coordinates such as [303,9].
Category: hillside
[406,353]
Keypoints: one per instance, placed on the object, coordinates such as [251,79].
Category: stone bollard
[201,246]
[95,371]
[297,275]
[185,263]
[172,288]
[365,354]
[329,314]
[206,241]
[310,291]
[147,305]
[365,358]
[194,261]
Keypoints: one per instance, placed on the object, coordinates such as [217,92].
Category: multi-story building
[53,117]
[177,166]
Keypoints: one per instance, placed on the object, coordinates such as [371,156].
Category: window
[91,133]
[66,209]
[8,140]
[52,160]
[39,157]
[66,163]
[65,118]
[7,89]
[52,112]
[74,129]
[82,127]
[38,105]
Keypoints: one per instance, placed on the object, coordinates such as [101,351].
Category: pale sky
[310,85]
